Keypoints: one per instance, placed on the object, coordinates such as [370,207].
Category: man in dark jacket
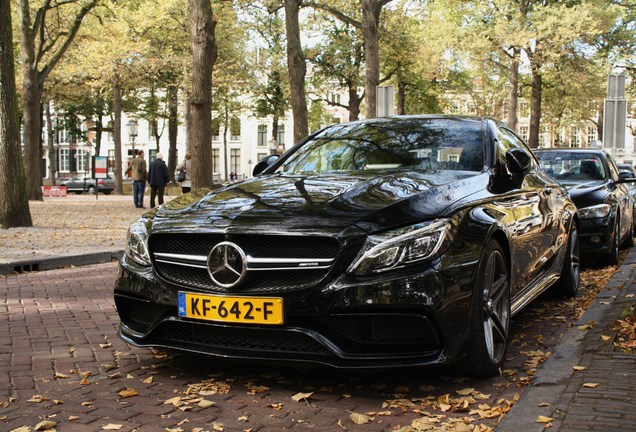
[158,178]
[139,175]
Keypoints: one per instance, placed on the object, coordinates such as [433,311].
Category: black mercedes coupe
[390,242]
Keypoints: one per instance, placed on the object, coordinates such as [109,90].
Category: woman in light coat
[186,165]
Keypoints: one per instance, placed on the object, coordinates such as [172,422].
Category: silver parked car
[83,183]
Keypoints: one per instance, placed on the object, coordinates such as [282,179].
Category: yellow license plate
[245,310]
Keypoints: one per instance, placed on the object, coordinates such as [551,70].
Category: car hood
[585,194]
[321,203]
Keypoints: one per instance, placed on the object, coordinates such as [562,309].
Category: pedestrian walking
[186,166]
[158,178]
[139,175]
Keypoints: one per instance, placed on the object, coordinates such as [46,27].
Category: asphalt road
[62,362]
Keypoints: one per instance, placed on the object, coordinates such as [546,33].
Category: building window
[82,160]
[111,160]
[335,98]
[261,139]
[591,135]
[216,129]
[235,129]
[280,136]
[576,137]
[215,160]
[524,109]
[524,133]
[65,163]
[235,160]
[261,156]
[152,155]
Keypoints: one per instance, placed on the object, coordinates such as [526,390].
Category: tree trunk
[297,69]
[173,127]
[56,43]
[119,180]
[204,54]
[14,205]
[535,106]
[513,90]
[401,96]
[370,19]
[226,163]
[98,134]
[50,138]
[354,104]
[32,128]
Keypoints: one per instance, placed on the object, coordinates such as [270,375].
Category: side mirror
[625,177]
[519,161]
[264,163]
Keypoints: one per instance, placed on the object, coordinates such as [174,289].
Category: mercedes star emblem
[227,264]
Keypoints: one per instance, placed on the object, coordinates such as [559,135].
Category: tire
[91,190]
[629,240]
[612,255]
[568,283]
[490,316]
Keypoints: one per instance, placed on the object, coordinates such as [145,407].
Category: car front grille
[274,263]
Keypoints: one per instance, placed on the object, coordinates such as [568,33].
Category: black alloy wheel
[490,320]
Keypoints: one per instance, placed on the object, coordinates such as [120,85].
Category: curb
[56,262]
[547,393]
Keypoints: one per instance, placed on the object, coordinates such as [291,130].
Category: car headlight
[595,212]
[398,248]
[137,243]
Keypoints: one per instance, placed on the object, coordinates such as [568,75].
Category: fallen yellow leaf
[300,396]
[591,385]
[579,368]
[544,419]
[204,403]
[359,419]
[45,425]
[112,426]
[129,392]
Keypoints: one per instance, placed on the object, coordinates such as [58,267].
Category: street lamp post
[133,128]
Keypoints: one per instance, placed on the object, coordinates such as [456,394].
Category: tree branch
[86,8]
[335,12]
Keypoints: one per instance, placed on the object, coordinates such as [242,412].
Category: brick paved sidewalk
[602,396]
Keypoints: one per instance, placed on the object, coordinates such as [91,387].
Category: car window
[571,165]
[420,144]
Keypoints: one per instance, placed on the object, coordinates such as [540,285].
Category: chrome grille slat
[290,262]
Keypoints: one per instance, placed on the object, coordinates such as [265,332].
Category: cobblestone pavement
[62,361]
[587,384]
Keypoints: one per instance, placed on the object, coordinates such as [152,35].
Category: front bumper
[406,320]
[596,236]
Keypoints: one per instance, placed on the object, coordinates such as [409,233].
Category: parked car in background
[626,171]
[82,183]
[382,243]
[602,196]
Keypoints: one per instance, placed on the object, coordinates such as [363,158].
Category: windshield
[574,166]
[419,144]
